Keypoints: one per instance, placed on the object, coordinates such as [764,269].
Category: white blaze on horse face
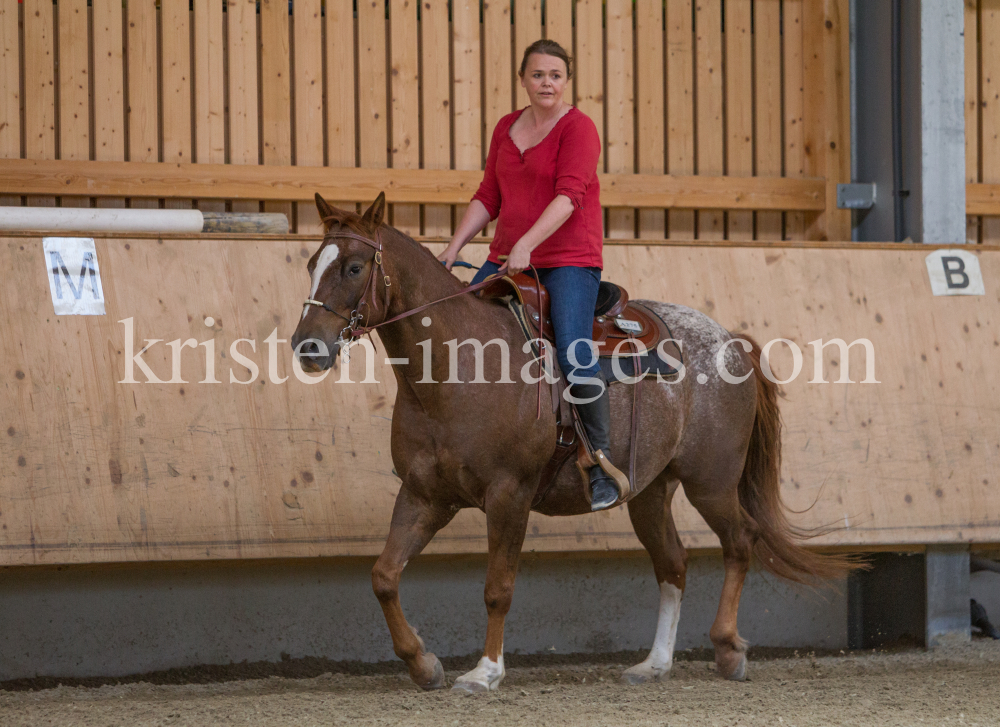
[329,254]
[661,656]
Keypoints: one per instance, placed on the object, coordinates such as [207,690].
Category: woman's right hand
[449,255]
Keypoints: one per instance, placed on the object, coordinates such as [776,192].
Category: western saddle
[622,330]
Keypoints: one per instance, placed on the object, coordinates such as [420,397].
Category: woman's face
[544,79]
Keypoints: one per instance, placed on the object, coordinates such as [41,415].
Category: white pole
[72,219]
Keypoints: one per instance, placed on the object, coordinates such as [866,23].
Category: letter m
[844,348]
[453,346]
[59,272]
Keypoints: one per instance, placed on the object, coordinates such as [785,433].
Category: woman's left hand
[517,261]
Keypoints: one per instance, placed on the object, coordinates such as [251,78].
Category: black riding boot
[596,418]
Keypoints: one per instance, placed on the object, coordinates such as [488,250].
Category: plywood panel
[242,91]
[795,222]
[95,470]
[711,129]
[680,107]
[990,54]
[467,90]
[109,87]
[651,151]
[767,105]
[620,141]
[559,27]
[176,91]
[307,28]
[436,106]
[341,99]
[739,106]
[527,29]
[142,108]
[39,89]
[276,91]
[74,87]
[404,78]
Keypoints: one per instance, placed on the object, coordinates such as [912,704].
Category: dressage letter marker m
[74,276]
[955,272]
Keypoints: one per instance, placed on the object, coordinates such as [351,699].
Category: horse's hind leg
[414,523]
[654,525]
[721,509]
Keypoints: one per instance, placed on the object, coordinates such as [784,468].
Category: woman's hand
[450,254]
[518,260]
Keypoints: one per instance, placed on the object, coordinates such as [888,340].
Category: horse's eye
[355,270]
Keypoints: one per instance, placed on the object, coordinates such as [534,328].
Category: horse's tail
[778,543]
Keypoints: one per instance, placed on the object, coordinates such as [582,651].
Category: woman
[541,181]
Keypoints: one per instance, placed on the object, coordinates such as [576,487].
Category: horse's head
[344,282]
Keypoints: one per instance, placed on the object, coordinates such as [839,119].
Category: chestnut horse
[479,444]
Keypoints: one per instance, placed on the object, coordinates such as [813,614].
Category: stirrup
[619,477]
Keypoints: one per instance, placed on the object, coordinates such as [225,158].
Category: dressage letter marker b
[955,272]
[74,276]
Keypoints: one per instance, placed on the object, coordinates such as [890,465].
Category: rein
[353,330]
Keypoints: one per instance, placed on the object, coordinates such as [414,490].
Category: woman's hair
[549,48]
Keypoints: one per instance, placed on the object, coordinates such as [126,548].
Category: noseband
[368,297]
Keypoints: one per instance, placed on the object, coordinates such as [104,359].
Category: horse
[483,443]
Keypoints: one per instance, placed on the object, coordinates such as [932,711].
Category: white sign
[74,276]
[955,272]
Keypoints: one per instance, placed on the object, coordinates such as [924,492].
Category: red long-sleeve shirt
[518,187]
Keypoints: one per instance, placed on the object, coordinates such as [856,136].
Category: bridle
[353,330]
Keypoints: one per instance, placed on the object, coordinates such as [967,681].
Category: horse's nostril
[309,348]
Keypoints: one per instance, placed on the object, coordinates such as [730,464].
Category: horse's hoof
[436,678]
[642,673]
[486,677]
[736,673]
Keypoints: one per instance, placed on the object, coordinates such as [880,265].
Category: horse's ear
[325,208]
[374,215]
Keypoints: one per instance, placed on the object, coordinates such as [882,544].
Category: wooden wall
[95,470]
[982,120]
[741,88]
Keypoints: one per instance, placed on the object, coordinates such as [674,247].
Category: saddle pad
[651,364]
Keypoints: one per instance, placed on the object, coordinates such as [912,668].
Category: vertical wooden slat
[990,85]
[497,85]
[276,91]
[307,31]
[827,110]
[39,88]
[209,91]
[176,93]
[404,78]
[467,88]
[10,89]
[767,90]
[795,222]
[972,222]
[108,75]
[680,108]
[651,150]
[372,95]
[527,29]
[340,103]
[243,116]
[590,65]
[711,132]
[621,115]
[435,106]
[143,107]
[739,106]
[74,87]
[559,27]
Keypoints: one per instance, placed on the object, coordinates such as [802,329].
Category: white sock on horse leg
[661,656]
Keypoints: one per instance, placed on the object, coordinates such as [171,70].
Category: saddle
[625,333]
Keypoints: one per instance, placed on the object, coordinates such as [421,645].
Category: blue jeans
[572,297]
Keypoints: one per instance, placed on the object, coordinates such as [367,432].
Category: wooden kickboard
[92,470]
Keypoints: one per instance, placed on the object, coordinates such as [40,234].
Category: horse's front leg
[507,507]
[414,523]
